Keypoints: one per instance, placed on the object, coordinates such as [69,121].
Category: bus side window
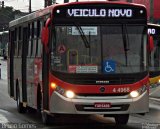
[15,42]
[29,40]
[19,41]
[37,36]
[39,44]
[8,44]
[11,44]
[34,37]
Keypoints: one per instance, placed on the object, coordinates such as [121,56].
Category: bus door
[45,78]
[24,62]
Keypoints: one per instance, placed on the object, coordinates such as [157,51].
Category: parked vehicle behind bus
[154,58]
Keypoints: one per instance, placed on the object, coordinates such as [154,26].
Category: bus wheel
[39,100]
[122,118]
[46,119]
[20,107]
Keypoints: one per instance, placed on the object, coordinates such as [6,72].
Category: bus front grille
[101,94]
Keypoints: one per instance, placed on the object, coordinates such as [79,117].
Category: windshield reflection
[91,49]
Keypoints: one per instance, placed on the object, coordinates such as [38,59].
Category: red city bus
[80,58]
[154,56]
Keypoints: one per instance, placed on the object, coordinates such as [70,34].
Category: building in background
[7,14]
[4,39]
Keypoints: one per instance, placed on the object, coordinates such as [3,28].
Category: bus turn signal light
[53,85]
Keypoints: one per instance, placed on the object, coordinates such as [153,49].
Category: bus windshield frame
[84,23]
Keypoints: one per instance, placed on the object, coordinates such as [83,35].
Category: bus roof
[153,29]
[47,10]
[4,32]
[155,25]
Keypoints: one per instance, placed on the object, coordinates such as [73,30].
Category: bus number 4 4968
[121,90]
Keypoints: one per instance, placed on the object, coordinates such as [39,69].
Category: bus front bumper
[62,105]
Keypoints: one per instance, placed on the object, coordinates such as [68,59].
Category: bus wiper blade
[86,43]
[125,42]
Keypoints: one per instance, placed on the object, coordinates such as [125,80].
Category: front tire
[46,119]
[20,107]
[122,119]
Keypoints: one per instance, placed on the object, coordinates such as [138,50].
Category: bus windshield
[109,49]
[154,59]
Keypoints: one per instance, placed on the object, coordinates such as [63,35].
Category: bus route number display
[151,31]
[128,13]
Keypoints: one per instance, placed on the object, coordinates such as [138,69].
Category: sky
[24,4]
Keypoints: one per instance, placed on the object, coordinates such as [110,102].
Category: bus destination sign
[153,30]
[68,14]
[128,13]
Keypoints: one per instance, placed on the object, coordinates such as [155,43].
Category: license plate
[102,105]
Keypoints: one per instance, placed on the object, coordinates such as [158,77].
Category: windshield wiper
[86,43]
[125,42]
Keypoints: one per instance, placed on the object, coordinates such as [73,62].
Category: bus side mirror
[45,36]
[150,43]
[45,33]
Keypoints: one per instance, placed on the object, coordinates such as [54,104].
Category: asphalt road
[10,118]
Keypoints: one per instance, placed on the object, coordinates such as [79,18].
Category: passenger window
[29,39]
[15,42]
[39,44]
[34,36]
[19,41]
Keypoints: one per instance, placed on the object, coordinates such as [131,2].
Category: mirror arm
[48,22]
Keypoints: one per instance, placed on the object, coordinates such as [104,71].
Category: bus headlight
[134,94]
[70,94]
[138,92]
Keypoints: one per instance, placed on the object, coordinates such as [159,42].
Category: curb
[154,100]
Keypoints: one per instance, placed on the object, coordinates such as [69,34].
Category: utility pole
[53,1]
[45,3]
[48,2]
[30,10]
[129,1]
[2,4]
[66,1]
